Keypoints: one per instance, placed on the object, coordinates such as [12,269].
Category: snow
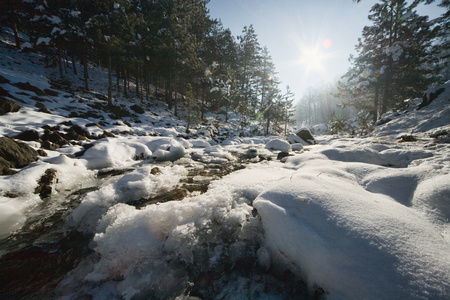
[361,218]
[278,144]
[111,153]
[43,40]
[359,227]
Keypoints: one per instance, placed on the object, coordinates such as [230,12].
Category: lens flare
[327,43]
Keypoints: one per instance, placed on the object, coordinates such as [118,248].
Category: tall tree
[249,55]
[392,54]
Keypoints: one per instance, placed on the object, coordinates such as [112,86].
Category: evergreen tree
[391,57]
[249,55]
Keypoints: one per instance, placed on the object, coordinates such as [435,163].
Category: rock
[3,80]
[295,139]
[282,155]
[305,135]
[297,146]
[49,146]
[77,133]
[106,134]
[15,155]
[278,144]
[439,133]
[251,153]
[44,188]
[7,106]
[137,109]
[51,92]
[155,171]
[408,138]
[28,135]
[54,137]
[5,167]
[430,97]
[42,108]
[39,99]
[3,92]
[28,87]
[383,121]
[42,153]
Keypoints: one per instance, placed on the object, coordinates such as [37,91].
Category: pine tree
[391,56]
[249,55]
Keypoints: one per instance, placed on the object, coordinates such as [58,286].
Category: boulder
[430,97]
[15,154]
[305,135]
[28,87]
[3,80]
[7,106]
[278,144]
[137,109]
[28,135]
[42,108]
[54,137]
[295,139]
[77,133]
[297,146]
[282,155]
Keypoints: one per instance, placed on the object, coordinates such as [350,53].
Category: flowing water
[36,258]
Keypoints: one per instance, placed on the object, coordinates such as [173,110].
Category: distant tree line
[173,45]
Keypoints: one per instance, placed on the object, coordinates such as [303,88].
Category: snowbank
[433,117]
[359,230]
[143,183]
[70,174]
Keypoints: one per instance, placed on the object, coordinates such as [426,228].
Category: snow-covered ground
[355,218]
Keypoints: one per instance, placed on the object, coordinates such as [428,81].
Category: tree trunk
[109,81]
[375,102]
[125,90]
[169,93]
[74,65]
[65,61]
[16,37]
[86,75]
[137,82]
[118,78]
[60,65]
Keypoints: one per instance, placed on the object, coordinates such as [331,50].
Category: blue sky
[294,29]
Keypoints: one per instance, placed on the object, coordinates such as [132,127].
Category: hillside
[121,203]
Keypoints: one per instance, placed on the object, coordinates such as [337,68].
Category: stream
[35,259]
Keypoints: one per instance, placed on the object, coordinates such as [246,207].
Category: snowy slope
[362,218]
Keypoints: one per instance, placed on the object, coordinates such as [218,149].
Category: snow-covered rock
[278,144]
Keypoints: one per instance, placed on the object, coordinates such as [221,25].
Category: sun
[312,59]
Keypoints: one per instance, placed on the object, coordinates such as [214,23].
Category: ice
[139,184]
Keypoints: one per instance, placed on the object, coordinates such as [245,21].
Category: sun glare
[312,59]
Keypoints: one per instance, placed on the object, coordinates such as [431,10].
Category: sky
[309,41]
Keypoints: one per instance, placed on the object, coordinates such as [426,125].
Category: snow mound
[433,117]
[142,183]
[70,174]
[278,144]
[112,153]
[176,151]
[359,230]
